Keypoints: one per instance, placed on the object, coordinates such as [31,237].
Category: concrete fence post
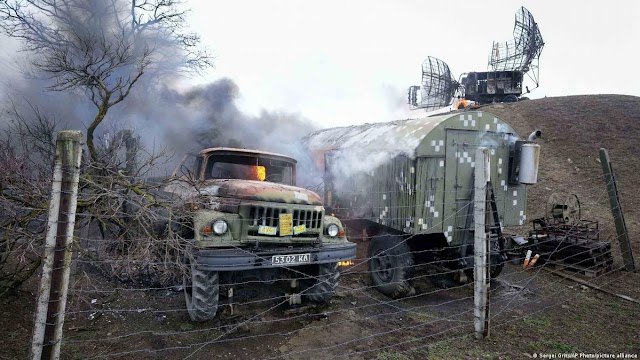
[480,258]
[54,283]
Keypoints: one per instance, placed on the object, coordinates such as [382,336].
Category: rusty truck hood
[260,191]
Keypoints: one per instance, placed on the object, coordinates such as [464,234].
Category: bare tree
[103,47]
[26,154]
[100,48]
[130,224]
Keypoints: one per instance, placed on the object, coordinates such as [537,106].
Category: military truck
[250,221]
[408,186]
[486,87]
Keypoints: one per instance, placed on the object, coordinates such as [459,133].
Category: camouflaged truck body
[416,176]
[266,215]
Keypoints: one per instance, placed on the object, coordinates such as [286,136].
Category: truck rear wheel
[325,285]
[510,99]
[391,266]
[497,261]
[494,272]
[201,292]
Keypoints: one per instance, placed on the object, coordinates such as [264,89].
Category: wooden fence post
[54,284]
[618,217]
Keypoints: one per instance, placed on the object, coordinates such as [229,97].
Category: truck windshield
[249,168]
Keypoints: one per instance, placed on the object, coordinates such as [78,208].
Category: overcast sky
[349,62]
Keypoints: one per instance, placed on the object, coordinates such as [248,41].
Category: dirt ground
[532,311]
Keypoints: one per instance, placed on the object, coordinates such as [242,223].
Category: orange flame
[260,172]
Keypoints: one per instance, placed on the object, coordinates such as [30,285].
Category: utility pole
[54,284]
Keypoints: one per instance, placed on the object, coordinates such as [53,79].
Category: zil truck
[246,219]
[408,185]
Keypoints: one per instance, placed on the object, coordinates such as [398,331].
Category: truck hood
[260,191]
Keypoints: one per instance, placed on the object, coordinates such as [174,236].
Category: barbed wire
[550,262]
[355,270]
[463,286]
[289,333]
[467,335]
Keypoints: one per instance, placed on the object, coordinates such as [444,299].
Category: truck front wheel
[325,284]
[201,292]
[391,266]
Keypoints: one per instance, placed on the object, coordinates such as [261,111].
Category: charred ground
[551,315]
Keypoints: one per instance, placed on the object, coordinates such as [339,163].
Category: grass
[445,351]
[622,308]
[392,355]
[538,321]
[421,317]
[552,345]
[186,326]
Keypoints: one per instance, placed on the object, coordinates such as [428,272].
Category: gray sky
[350,62]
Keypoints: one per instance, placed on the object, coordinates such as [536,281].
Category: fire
[260,172]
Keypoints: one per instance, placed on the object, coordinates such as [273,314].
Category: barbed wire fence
[125,298]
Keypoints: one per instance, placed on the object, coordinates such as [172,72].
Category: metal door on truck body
[429,194]
[459,176]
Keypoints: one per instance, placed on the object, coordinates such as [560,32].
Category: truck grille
[270,216]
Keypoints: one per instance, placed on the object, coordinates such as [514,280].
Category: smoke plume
[180,121]
[95,46]
[207,116]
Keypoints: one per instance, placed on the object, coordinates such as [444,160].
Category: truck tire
[325,285]
[201,292]
[494,272]
[391,266]
[497,263]
[510,99]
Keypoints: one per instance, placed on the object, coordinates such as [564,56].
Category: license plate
[290,259]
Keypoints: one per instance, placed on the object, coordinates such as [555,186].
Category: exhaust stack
[534,135]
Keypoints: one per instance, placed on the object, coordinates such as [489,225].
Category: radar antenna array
[438,86]
[523,52]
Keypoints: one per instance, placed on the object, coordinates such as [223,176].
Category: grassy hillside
[574,128]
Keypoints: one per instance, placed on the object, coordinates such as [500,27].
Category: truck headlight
[220,227]
[333,230]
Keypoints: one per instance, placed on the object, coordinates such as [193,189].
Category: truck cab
[248,219]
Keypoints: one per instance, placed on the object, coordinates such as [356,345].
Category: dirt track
[551,315]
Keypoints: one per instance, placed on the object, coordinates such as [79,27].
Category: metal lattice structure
[438,85]
[509,62]
[521,53]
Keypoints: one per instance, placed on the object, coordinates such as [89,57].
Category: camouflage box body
[420,171]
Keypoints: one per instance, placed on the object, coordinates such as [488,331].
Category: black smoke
[178,121]
[204,116]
